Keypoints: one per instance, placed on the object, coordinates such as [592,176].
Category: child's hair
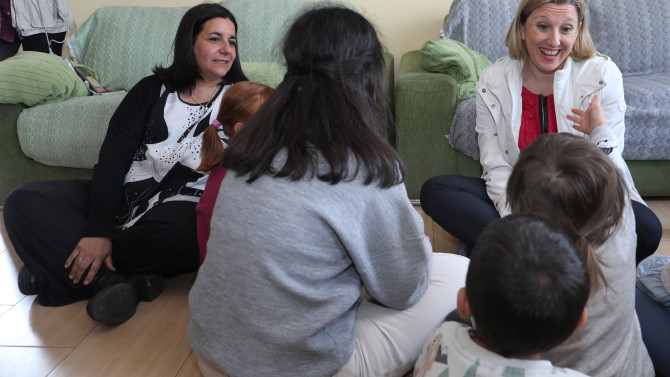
[575,183]
[526,284]
[332,106]
[239,103]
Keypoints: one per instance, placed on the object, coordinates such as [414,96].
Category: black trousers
[46,220]
[36,42]
[463,208]
[655,326]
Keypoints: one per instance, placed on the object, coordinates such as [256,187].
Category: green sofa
[427,101]
[59,138]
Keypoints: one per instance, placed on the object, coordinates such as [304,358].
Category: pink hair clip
[217,124]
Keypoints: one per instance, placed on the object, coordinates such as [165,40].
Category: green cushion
[270,74]
[123,43]
[454,58]
[31,77]
[82,123]
[262,24]
[75,141]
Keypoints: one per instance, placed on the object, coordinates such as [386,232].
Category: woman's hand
[588,120]
[89,252]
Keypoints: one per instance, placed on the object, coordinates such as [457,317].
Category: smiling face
[214,48]
[549,34]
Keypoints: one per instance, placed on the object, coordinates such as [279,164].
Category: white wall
[404,25]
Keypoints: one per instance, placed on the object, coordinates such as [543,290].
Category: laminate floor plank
[30,361]
[152,343]
[9,270]
[30,324]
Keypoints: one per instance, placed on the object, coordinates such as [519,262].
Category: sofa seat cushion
[31,77]
[647,117]
[67,133]
[70,133]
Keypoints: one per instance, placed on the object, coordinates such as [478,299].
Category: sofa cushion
[634,33]
[463,136]
[31,77]
[82,123]
[454,58]
[270,74]
[647,114]
[481,25]
[75,141]
[647,117]
[123,43]
[261,26]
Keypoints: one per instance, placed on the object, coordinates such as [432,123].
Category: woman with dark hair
[551,69]
[573,181]
[112,239]
[315,220]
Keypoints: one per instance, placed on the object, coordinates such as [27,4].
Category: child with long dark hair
[315,219]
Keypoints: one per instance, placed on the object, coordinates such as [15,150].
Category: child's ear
[463,304]
[237,127]
[582,319]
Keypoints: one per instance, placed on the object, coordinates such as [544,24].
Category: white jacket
[31,17]
[499,116]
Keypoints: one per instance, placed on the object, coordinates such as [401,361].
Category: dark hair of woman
[332,104]
[575,183]
[182,74]
[239,103]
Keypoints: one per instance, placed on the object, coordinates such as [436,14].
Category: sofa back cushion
[481,25]
[123,43]
[634,33]
[261,26]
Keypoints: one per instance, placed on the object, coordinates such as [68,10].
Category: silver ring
[81,258]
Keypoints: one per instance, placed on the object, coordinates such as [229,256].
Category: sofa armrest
[15,167]
[424,108]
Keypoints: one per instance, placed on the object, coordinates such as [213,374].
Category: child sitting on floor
[526,291]
[238,104]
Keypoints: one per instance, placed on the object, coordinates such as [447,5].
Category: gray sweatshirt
[286,262]
[610,343]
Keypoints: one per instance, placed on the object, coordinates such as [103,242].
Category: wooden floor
[38,341]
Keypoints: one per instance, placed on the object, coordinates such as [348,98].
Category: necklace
[205,106]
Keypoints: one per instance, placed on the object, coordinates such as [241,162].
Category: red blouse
[538,117]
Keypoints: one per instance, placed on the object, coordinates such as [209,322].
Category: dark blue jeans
[655,325]
[463,208]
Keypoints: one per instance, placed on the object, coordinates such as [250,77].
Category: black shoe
[114,304]
[148,287]
[27,282]
[117,303]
